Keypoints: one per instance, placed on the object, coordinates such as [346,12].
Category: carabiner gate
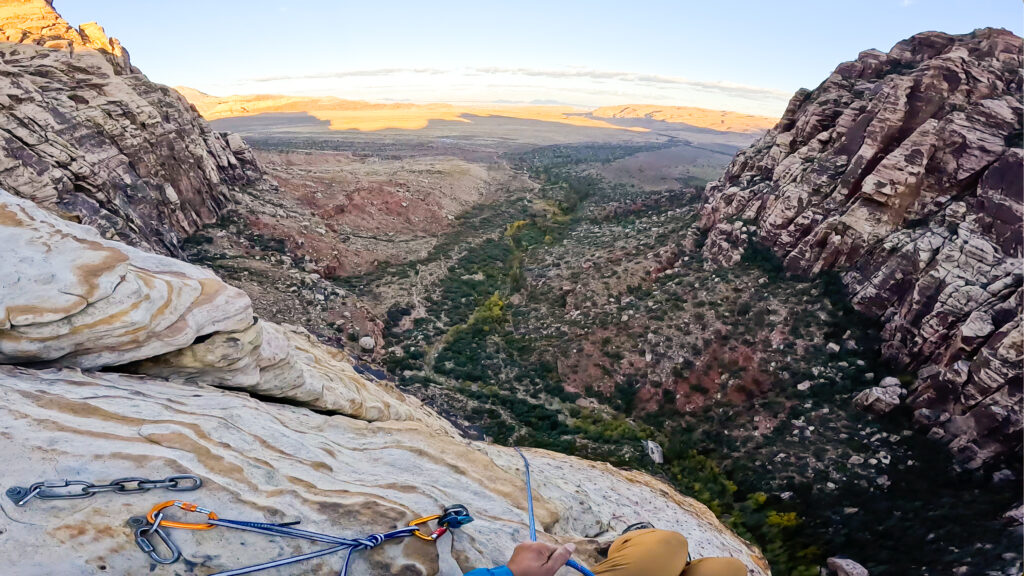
[188,506]
[424,520]
[454,516]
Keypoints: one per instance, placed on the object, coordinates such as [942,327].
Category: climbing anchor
[451,518]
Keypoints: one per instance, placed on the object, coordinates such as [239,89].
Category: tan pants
[661,553]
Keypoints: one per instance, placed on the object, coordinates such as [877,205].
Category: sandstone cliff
[136,364]
[70,299]
[269,461]
[84,132]
[903,172]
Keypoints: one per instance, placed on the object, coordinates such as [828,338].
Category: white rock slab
[263,461]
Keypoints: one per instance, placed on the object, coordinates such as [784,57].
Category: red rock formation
[903,171]
[84,132]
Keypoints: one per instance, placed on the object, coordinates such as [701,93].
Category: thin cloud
[349,74]
[627,77]
[584,74]
[582,87]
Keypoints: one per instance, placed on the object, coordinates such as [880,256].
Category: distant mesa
[722,120]
[368,116]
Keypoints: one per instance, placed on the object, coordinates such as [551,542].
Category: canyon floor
[541,285]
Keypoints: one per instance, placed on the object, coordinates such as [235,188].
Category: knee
[660,539]
[666,546]
[716,567]
[646,552]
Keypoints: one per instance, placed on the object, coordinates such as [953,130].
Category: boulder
[1015,516]
[846,567]
[367,343]
[654,451]
[265,461]
[889,381]
[877,400]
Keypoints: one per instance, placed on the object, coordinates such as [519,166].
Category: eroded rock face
[84,132]
[272,462]
[903,171]
[287,363]
[68,297]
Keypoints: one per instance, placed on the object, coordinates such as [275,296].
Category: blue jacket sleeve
[499,571]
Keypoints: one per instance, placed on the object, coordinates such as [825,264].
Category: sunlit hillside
[369,116]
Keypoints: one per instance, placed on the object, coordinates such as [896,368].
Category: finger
[560,556]
[543,547]
[539,551]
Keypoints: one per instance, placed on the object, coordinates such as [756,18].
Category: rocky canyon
[798,341]
[902,172]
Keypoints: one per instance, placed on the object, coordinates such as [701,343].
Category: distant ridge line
[370,116]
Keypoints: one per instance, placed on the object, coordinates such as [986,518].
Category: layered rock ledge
[68,297]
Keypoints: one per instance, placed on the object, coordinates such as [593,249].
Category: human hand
[539,559]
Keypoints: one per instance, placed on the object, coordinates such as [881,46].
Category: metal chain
[51,489]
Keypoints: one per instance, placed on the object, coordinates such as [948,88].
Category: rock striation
[266,461]
[69,297]
[84,132]
[903,172]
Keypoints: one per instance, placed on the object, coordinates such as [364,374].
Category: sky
[743,55]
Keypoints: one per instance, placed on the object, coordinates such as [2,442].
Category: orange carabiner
[419,521]
[188,506]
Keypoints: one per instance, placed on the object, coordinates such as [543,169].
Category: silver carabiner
[142,541]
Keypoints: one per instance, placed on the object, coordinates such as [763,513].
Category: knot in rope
[371,541]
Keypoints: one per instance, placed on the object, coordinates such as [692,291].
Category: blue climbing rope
[347,545]
[451,518]
[529,496]
[533,523]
